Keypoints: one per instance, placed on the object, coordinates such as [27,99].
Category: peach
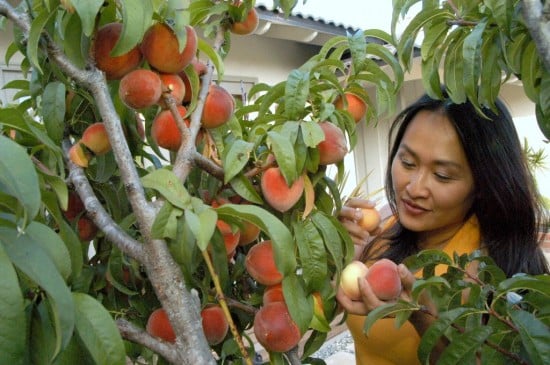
[140,88]
[260,264]
[273,293]
[333,148]
[158,325]
[87,230]
[370,220]
[79,155]
[218,107]
[171,84]
[160,47]
[383,277]
[75,206]
[115,67]
[349,279]
[276,191]
[248,25]
[96,139]
[249,233]
[274,328]
[355,105]
[165,131]
[214,324]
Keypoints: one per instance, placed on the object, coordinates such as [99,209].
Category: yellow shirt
[388,345]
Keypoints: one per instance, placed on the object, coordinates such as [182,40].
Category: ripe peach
[276,191]
[96,139]
[355,106]
[260,264]
[333,148]
[173,84]
[383,277]
[370,220]
[158,325]
[140,88]
[214,324]
[248,25]
[75,206]
[274,328]
[160,47]
[165,131]
[115,67]
[87,230]
[249,233]
[273,293]
[348,281]
[218,107]
[79,155]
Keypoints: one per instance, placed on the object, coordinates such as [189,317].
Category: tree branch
[537,22]
[137,335]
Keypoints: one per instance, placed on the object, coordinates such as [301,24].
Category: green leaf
[213,56]
[333,238]
[296,93]
[312,133]
[136,19]
[12,338]
[299,307]
[246,189]
[534,334]
[98,331]
[283,243]
[530,67]
[36,263]
[73,41]
[284,154]
[53,110]
[87,11]
[35,34]
[166,222]
[235,158]
[471,54]
[202,225]
[169,186]
[16,167]
[312,254]
[463,348]
[386,310]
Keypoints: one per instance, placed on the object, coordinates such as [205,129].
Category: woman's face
[432,180]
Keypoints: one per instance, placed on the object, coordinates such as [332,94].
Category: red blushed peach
[355,106]
[75,206]
[383,277]
[230,239]
[165,131]
[159,326]
[160,47]
[200,68]
[274,328]
[115,67]
[87,230]
[249,233]
[171,84]
[79,155]
[248,25]
[276,191]
[273,293]
[96,139]
[333,148]
[140,89]
[218,107]
[214,324]
[260,264]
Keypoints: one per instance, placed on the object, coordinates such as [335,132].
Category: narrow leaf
[53,110]
[87,11]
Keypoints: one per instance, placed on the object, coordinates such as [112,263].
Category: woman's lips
[412,208]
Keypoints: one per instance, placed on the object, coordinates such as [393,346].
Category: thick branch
[137,335]
[99,215]
[537,22]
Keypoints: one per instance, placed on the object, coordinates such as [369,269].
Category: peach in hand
[354,271]
[383,277]
[370,220]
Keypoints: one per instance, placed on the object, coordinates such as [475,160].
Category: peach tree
[146,211]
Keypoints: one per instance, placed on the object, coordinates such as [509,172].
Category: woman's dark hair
[507,203]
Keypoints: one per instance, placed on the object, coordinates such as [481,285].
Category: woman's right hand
[351,214]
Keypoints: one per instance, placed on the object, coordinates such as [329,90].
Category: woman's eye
[406,163]
[443,177]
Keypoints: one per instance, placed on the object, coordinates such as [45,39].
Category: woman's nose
[417,186]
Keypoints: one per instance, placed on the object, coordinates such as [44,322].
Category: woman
[457,182]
